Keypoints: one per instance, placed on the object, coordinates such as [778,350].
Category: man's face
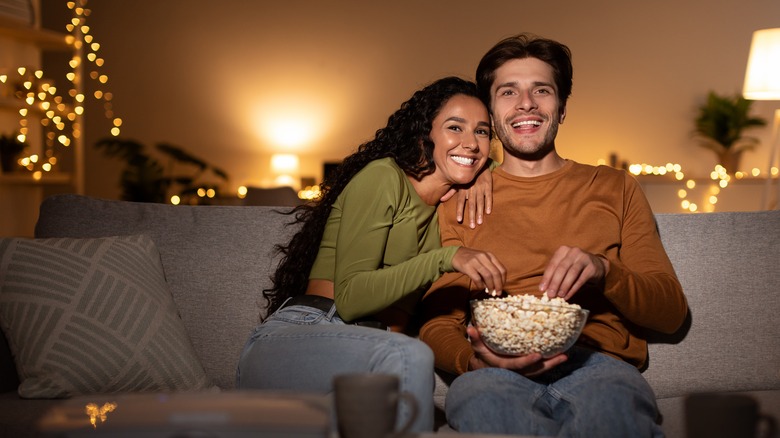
[526,112]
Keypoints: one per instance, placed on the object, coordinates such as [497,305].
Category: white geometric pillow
[95,315]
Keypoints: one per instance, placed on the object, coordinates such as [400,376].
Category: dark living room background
[235,82]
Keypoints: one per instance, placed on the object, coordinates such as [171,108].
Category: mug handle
[771,426]
[412,402]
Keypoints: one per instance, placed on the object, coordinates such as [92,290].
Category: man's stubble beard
[532,152]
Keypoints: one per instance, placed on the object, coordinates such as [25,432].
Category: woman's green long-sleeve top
[381,245]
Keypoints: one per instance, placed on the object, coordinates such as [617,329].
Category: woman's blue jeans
[303,348]
[589,395]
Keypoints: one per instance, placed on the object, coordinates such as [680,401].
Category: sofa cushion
[92,315]
[217,261]
[728,266]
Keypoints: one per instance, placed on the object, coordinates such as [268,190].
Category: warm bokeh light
[291,123]
[309,193]
[284,164]
[98,414]
[285,180]
[288,133]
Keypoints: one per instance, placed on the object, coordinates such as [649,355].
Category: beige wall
[207,75]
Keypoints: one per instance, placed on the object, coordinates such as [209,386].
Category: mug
[725,416]
[367,405]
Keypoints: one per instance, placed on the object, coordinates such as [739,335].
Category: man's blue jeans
[589,395]
[302,348]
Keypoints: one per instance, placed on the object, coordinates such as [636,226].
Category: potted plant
[10,148]
[145,179]
[720,126]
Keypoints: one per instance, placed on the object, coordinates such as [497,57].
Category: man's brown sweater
[601,210]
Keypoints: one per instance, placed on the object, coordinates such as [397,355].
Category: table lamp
[762,82]
[285,168]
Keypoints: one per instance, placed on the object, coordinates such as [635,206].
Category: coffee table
[239,414]
[466,435]
[191,415]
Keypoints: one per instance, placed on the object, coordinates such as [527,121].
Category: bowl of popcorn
[518,325]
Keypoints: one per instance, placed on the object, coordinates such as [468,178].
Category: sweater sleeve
[364,283]
[641,283]
[445,308]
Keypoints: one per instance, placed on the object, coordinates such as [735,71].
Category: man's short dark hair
[521,46]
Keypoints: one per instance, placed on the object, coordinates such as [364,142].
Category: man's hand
[477,198]
[483,268]
[569,269]
[529,366]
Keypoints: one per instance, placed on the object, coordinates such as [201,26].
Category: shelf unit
[22,45]
[21,178]
[43,39]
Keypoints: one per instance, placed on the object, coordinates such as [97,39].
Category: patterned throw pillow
[87,316]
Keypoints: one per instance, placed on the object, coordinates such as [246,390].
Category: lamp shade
[762,78]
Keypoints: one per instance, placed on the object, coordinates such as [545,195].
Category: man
[583,233]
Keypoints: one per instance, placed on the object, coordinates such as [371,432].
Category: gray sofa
[217,259]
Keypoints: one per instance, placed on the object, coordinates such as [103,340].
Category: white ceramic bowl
[521,325]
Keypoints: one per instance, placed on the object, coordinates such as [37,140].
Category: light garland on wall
[39,95]
[720,177]
[78,27]
[60,116]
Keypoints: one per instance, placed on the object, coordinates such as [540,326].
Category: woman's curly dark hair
[406,139]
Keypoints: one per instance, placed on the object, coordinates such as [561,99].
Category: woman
[379,248]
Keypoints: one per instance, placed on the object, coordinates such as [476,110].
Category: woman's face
[461,138]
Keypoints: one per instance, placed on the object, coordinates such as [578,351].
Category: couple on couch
[392,255]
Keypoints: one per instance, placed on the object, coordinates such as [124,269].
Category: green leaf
[723,119]
[181,155]
[145,179]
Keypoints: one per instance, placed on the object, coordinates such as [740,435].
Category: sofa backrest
[217,261]
[729,266]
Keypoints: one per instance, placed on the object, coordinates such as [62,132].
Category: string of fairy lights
[720,177]
[59,113]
